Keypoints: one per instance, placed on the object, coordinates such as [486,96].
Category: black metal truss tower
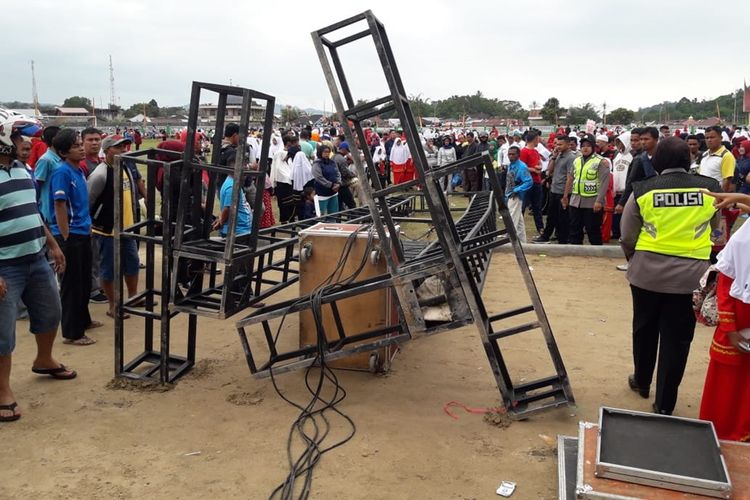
[457,253]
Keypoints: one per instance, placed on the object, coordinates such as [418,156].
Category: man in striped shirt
[24,270]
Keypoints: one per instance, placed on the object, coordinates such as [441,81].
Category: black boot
[642,391]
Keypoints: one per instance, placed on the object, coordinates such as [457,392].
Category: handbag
[704,298]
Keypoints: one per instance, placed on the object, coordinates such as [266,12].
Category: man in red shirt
[40,143]
[533,160]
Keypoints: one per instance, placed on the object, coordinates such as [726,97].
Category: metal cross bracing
[475,227]
[227,263]
[464,296]
[154,232]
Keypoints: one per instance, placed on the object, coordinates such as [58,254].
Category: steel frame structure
[154,231]
[277,253]
[261,264]
[195,249]
[462,291]
[476,227]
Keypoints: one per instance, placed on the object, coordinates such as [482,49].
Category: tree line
[728,107]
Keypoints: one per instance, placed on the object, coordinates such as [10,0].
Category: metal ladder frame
[520,400]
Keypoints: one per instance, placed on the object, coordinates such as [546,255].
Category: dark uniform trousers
[585,218]
[557,219]
[662,322]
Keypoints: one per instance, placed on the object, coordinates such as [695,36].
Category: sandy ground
[222,434]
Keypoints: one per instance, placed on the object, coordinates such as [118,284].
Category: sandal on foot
[11,407]
[94,324]
[60,373]
[123,315]
[82,341]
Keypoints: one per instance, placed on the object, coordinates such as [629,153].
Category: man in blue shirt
[518,183]
[43,170]
[244,216]
[71,226]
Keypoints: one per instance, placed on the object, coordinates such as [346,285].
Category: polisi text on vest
[684,199]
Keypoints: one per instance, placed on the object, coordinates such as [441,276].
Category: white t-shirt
[620,172]
[502,155]
[711,164]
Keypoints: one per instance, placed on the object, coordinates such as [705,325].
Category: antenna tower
[112,101]
[34,95]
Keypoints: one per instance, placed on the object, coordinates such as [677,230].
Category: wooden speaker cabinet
[321,248]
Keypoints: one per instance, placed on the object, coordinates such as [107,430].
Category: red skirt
[267,220]
[399,172]
[726,400]
[607,212]
[726,393]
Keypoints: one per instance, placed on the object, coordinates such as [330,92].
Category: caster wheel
[374,257]
[374,358]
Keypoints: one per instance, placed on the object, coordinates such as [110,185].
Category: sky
[627,54]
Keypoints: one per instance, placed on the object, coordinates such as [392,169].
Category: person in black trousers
[71,226]
[666,236]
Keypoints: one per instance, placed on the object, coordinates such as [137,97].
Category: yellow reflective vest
[676,215]
[586,176]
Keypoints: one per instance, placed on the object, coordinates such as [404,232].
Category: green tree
[620,116]
[150,109]
[577,115]
[153,108]
[77,102]
[419,107]
[551,111]
[172,110]
[290,114]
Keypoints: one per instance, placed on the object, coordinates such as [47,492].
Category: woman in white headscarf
[726,393]
[276,145]
[399,158]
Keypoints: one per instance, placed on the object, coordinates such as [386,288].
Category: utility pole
[34,95]
[112,100]
[604,113]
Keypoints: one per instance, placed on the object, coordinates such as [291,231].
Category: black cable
[313,414]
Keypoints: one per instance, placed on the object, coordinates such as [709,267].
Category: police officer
[585,194]
[666,236]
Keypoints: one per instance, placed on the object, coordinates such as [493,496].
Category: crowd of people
[651,189]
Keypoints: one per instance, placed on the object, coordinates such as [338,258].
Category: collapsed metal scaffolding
[205,276]
[458,254]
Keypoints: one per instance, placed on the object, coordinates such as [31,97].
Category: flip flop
[11,407]
[58,373]
[94,324]
[123,315]
[82,341]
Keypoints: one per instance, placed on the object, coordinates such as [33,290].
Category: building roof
[535,114]
[706,122]
[234,101]
[24,111]
[139,118]
[72,111]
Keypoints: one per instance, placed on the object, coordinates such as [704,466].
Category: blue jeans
[106,251]
[329,206]
[32,281]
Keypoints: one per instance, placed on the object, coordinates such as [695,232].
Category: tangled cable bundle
[312,426]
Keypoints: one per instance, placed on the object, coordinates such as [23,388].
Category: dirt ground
[222,434]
